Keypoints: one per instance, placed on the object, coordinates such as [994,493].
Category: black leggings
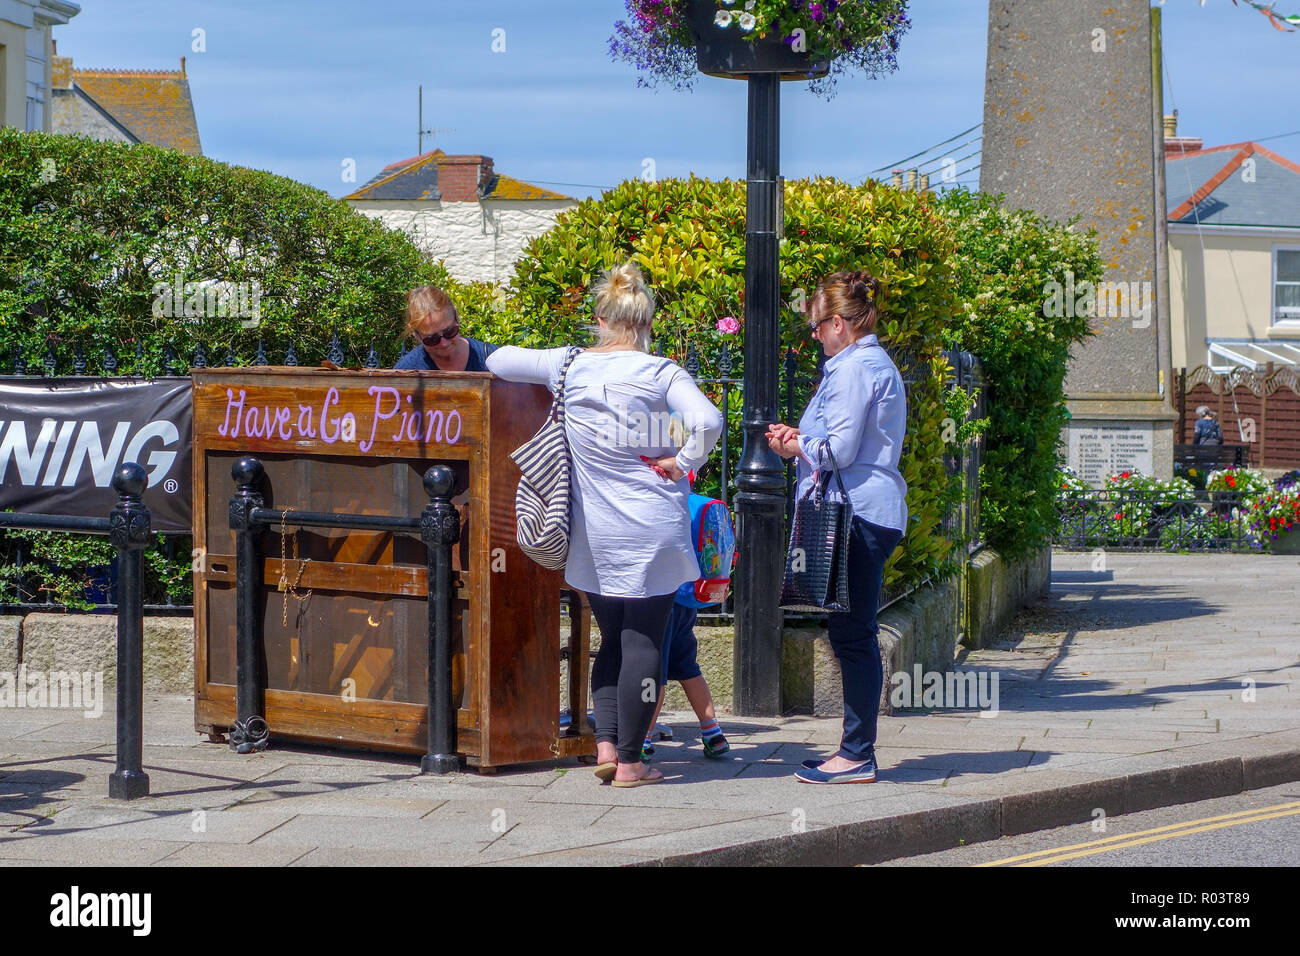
[625,675]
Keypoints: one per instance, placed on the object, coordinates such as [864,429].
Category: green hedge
[88,229]
[963,272]
[1003,261]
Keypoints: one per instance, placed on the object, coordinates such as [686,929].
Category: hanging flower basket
[724,48]
[674,41]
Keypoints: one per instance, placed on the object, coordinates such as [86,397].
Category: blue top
[418,358]
[860,409]
[1208,432]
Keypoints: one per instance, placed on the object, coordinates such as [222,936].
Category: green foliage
[1212,532]
[88,230]
[75,570]
[688,235]
[1003,261]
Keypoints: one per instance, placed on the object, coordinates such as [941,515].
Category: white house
[26,60]
[1234,254]
[461,210]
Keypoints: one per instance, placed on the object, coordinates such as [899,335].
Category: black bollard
[128,531]
[440,529]
[250,731]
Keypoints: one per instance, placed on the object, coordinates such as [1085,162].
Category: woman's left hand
[784,440]
[666,468]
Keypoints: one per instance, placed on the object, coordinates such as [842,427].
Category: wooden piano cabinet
[345,622]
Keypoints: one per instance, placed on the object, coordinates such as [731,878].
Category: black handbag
[817,565]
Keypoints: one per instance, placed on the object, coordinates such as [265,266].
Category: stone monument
[1073,126]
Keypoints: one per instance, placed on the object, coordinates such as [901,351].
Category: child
[680,648]
[715,546]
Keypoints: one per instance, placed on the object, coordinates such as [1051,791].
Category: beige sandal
[605,771]
[640,781]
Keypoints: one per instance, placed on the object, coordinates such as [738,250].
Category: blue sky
[298,87]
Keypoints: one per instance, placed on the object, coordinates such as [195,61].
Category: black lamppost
[760,478]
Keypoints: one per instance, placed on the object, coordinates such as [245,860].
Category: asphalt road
[1256,828]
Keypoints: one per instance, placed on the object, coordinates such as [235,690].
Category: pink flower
[728,325]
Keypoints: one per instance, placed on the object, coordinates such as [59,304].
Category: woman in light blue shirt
[859,414]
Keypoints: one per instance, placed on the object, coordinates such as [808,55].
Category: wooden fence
[1257,409]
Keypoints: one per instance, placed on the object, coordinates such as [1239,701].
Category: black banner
[61,439]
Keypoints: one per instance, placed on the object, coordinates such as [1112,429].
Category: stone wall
[88,642]
[996,589]
[922,629]
[478,242]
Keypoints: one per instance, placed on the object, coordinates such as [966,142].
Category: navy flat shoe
[866,773]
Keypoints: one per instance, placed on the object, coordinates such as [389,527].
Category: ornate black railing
[1129,519]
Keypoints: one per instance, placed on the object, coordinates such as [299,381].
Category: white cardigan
[630,530]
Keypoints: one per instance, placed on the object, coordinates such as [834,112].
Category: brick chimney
[61,71]
[464,178]
[1176,145]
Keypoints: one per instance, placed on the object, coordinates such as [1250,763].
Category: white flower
[750,4]
[747,21]
[723,19]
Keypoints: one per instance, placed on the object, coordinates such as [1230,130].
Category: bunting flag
[1277,20]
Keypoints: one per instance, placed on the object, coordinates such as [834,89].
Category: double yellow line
[1063,853]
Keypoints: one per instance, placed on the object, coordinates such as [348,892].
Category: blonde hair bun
[626,303]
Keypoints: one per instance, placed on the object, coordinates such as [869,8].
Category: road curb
[945,828]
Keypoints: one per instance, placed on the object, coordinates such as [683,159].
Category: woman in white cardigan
[630,529]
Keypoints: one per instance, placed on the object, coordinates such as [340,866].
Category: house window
[35,115]
[1286,285]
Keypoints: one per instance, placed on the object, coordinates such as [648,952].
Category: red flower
[1232,482]
[1127,474]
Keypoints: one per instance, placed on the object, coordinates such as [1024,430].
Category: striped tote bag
[542,499]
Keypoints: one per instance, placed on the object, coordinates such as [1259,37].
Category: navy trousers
[854,637]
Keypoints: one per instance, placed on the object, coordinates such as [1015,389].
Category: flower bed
[1134,510]
[1246,483]
[1274,513]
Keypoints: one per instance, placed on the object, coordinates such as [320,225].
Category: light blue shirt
[860,412]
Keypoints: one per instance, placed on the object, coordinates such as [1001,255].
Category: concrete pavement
[1158,680]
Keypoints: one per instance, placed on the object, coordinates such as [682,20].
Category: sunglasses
[448,334]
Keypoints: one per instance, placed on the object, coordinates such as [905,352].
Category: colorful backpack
[715,547]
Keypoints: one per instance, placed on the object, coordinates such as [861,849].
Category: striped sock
[709,728]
